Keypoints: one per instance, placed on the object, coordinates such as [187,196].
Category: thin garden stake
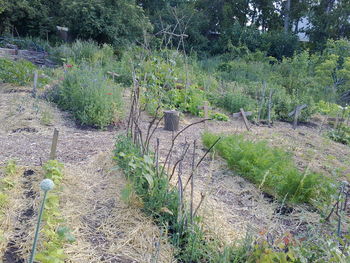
[46,185]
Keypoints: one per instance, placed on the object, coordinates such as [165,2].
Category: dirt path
[105,228]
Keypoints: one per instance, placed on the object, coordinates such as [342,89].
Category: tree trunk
[286,17]
[171,120]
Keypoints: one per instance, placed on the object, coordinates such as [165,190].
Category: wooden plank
[245,119]
[300,107]
[54,145]
[35,84]
[239,114]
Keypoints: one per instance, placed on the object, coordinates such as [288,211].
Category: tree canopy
[210,26]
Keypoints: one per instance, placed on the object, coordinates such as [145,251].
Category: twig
[192,181]
[199,205]
[187,146]
[206,153]
[173,141]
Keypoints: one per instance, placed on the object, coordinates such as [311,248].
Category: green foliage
[91,97]
[340,134]
[55,235]
[160,200]
[234,101]
[272,170]
[54,171]
[116,22]
[17,72]
[279,44]
[3,200]
[188,100]
[218,116]
[331,109]
[10,168]
[84,51]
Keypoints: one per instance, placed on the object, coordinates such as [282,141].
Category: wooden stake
[35,84]
[296,115]
[245,119]
[54,145]
[269,108]
[206,105]
[192,180]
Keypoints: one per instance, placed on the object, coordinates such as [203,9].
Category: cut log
[171,120]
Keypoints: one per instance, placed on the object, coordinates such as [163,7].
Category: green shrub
[91,97]
[188,100]
[17,72]
[218,116]
[272,170]
[84,51]
[234,101]
[331,109]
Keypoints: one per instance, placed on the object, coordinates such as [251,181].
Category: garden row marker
[54,145]
[296,113]
[35,84]
[245,119]
[243,115]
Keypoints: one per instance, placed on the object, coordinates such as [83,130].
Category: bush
[17,72]
[272,169]
[341,134]
[280,44]
[93,99]
[84,51]
[234,101]
[331,109]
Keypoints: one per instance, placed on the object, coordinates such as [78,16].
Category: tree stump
[171,120]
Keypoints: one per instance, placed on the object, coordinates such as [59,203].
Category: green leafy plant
[55,234]
[340,134]
[218,116]
[17,72]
